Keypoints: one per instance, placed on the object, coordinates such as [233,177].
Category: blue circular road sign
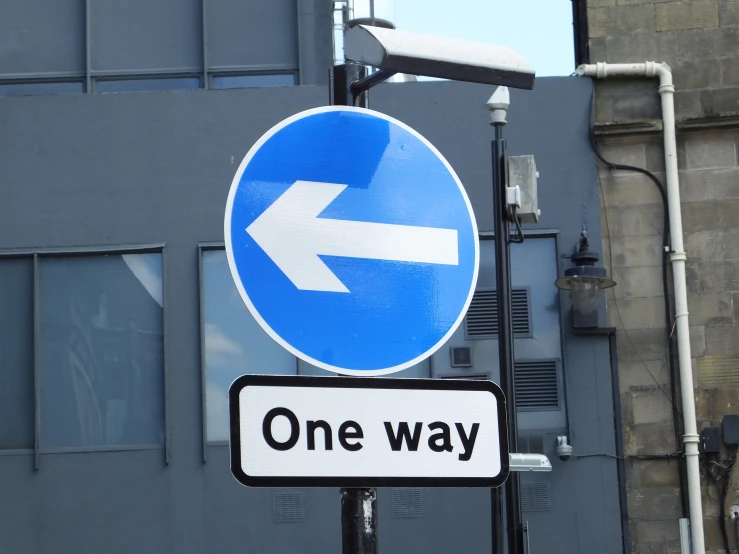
[351,240]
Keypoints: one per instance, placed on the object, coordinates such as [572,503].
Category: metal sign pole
[359,521]
[358,506]
[505,326]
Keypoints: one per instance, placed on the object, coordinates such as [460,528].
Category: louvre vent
[482,315]
[287,507]
[536,385]
[535,497]
[407,503]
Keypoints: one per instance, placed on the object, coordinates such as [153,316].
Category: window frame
[202,248]
[36,254]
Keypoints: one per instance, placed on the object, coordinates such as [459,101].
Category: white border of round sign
[245,297]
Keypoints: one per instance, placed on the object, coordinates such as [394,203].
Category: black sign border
[460,384]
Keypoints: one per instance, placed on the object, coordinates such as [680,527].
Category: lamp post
[394,52]
[498,107]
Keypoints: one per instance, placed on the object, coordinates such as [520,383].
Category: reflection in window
[245,81]
[28,89]
[101,350]
[234,343]
[16,354]
[142,85]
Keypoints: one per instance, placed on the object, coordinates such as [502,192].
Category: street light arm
[366,83]
[432,56]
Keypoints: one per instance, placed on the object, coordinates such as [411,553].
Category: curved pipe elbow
[601,70]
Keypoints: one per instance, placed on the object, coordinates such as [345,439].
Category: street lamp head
[585,281]
[394,51]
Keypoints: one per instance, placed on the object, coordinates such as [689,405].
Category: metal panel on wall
[42,37]
[252,35]
[435,520]
[141,35]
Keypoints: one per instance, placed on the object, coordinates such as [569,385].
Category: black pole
[505,330]
[358,506]
[341,78]
[359,521]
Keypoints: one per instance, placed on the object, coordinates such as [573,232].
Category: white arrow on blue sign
[351,240]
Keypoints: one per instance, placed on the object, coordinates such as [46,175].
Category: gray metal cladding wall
[143,168]
[77,41]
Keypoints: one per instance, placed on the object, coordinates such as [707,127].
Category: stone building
[699,40]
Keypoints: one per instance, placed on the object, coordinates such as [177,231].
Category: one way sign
[367,432]
[351,241]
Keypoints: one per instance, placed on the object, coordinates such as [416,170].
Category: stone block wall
[632,230]
[699,39]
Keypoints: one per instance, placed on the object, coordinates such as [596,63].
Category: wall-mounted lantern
[585,282]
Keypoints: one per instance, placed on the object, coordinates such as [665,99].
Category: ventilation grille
[287,507]
[535,497]
[407,503]
[482,315]
[536,385]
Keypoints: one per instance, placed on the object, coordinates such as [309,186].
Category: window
[16,354]
[101,350]
[27,89]
[234,343]
[141,85]
[245,81]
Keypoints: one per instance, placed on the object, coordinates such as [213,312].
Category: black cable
[676,415]
[519,237]
[725,477]
[722,515]
[671,456]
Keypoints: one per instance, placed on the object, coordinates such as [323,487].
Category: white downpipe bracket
[678,258]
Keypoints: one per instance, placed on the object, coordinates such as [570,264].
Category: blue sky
[539,30]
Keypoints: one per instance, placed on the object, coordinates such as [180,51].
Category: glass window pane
[234,342]
[141,85]
[16,354]
[28,89]
[246,81]
[101,350]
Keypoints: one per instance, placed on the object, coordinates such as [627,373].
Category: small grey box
[522,173]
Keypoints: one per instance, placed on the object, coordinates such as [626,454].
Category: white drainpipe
[678,257]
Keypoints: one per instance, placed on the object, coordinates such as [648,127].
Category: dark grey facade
[121,326]
[142,173]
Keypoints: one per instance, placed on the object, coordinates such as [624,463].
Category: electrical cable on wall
[669,318]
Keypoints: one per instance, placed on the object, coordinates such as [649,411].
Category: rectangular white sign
[357,432]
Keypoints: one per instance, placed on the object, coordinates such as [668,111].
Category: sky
[539,30]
